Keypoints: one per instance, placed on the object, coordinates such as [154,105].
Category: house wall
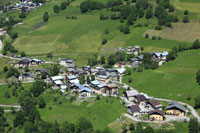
[156,117]
[63,63]
[175,112]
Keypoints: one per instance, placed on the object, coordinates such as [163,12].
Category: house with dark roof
[141,99]
[156,115]
[66,62]
[85,92]
[26,77]
[155,104]
[23,62]
[174,108]
[134,110]
[35,62]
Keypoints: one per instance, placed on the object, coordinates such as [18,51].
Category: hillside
[83,36]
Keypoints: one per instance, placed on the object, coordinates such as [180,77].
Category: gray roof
[175,104]
[63,59]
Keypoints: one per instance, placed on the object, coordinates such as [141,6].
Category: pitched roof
[154,103]
[141,98]
[95,82]
[86,89]
[57,78]
[135,107]
[175,104]
[63,59]
[70,77]
[156,112]
[132,93]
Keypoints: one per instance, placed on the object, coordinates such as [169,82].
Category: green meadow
[80,38]
[191,1]
[174,80]
[100,112]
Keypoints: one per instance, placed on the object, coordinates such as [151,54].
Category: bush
[104,41]
[63,5]
[158,27]
[153,37]
[56,9]
[22,15]
[146,35]
[186,19]
[186,12]
[7,94]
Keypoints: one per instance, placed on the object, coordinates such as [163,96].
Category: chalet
[27,77]
[111,89]
[113,76]
[130,95]
[95,83]
[71,67]
[134,110]
[39,71]
[66,62]
[121,71]
[141,100]
[86,68]
[99,88]
[35,62]
[57,78]
[71,79]
[23,62]
[133,50]
[156,115]
[176,109]
[155,105]
[85,92]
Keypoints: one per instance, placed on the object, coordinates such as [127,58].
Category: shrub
[146,35]
[186,19]
[186,12]
[153,37]
[104,41]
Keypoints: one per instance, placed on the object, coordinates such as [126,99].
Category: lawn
[190,1]
[12,100]
[179,32]
[80,38]
[100,113]
[191,6]
[174,80]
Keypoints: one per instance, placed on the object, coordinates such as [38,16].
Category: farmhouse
[111,89]
[85,92]
[141,100]
[23,62]
[35,62]
[156,115]
[130,95]
[26,76]
[134,110]
[71,79]
[155,104]
[66,62]
[176,109]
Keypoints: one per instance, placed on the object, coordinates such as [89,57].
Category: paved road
[1,45]
[22,82]
[15,106]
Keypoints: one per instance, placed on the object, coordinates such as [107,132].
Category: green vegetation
[174,80]
[190,1]
[111,109]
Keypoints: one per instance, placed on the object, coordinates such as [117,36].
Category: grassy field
[186,32]
[183,5]
[100,112]
[79,39]
[175,80]
[190,1]
[12,100]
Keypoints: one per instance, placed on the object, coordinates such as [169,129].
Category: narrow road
[1,45]
[15,106]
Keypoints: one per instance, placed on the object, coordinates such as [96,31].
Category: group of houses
[131,49]
[100,84]
[25,6]
[29,62]
[143,105]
